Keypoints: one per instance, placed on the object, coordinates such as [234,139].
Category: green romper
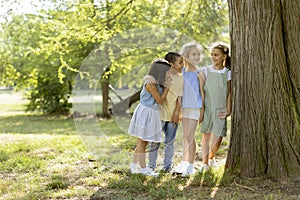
[215,89]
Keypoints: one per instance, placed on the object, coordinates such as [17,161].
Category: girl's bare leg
[135,155]
[205,147]
[216,143]
[189,144]
[141,152]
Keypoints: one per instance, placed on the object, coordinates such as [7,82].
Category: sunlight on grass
[32,160]
[48,157]
[35,124]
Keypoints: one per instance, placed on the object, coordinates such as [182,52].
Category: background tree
[265,43]
[49,46]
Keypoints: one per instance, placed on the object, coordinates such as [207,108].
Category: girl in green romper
[215,82]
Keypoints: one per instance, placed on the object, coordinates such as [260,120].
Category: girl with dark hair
[215,82]
[169,113]
[145,123]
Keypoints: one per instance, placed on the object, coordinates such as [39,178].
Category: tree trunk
[121,107]
[105,98]
[106,75]
[265,134]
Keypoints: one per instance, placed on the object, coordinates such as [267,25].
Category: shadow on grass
[206,185]
[166,186]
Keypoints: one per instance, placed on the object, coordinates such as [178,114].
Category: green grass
[35,124]
[51,157]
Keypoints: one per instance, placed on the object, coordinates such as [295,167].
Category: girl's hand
[175,118]
[201,116]
[228,112]
[150,79]
[222,115]
[160,60]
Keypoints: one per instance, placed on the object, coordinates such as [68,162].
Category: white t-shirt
[222,71]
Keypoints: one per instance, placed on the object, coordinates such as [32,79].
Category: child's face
[194,56]
[217,57]
[178,64]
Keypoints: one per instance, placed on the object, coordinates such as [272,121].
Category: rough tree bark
[265,42]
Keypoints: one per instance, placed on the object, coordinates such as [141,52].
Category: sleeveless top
[147,99]
[216,92]
[191,90]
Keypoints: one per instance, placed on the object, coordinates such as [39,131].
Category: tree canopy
[44,50]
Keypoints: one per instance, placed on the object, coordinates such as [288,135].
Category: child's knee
[206,137]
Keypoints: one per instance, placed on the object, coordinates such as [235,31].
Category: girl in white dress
[145,123]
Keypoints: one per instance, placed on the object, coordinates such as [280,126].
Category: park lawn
[44,157]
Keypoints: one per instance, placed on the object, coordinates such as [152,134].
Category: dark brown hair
[171,57]
[225,50]
[158,71]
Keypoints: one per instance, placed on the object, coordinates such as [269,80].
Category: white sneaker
[179,169]
[134,168]
[189,171]
[204,167]
[212,162]
[148,172]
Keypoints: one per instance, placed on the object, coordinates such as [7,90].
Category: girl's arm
[201,78]
[175,116]
[151,87]
[154,92]
[228,102]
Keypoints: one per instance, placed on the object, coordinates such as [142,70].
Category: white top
[222,71]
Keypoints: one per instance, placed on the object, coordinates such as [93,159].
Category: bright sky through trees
[16,7]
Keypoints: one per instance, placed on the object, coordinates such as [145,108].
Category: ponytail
[227,62]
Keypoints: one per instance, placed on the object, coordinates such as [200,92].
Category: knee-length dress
[215,89]
[145,122]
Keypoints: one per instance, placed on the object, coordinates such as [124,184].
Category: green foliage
[50,96]
[44,52]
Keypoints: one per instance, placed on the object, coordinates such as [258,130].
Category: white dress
[145,122]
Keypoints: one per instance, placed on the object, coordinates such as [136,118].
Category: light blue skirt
[146,124]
